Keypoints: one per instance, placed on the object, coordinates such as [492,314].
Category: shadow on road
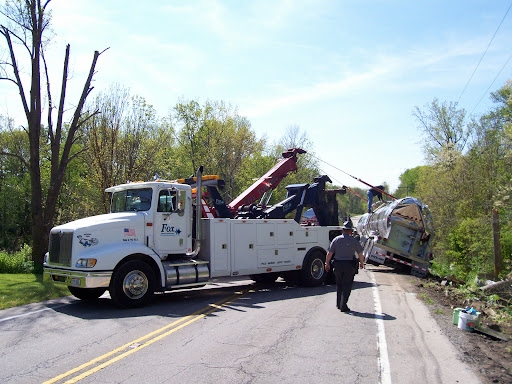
[184,302]
[177,304]
[367,315]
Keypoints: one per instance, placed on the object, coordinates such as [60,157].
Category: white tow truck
[154,240]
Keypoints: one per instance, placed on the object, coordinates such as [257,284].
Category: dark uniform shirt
[344,246]
[377,193]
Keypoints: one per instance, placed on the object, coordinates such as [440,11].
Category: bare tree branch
[97,112]
[18,82]
[49,94]
[15,155]
[78,153]
[60,113]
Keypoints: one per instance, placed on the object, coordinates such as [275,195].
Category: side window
[166,201]
[129,200]
[181,202]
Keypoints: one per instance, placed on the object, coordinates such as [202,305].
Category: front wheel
[133,284]
[313,273]
[87,294]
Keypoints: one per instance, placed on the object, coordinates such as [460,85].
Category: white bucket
[467,321]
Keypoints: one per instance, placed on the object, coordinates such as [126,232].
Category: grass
[20,289]
[426,299]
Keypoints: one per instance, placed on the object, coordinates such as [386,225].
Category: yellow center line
[191,318]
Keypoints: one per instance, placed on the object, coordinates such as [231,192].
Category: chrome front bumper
[79,279]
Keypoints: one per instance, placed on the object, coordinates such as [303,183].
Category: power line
[481,58]
[487,90]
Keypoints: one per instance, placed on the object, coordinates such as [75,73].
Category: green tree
[352,203]
[104,131]
[408,181]
[307,164]
[25,26]
[214,135]
[445,130]
[127,141]
[463,188]
[14,188]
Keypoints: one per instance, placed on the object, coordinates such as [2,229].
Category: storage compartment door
[219,245]
[243,248]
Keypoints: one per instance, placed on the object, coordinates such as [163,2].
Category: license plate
[75,282]
[378,258]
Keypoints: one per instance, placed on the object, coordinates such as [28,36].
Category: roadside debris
[493,286]
[491,332]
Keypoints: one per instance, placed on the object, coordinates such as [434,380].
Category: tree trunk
[34,133]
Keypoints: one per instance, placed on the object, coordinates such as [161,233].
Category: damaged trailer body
[398,232]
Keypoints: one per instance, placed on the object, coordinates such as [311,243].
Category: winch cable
[357,194]
[344,186]
[356,178]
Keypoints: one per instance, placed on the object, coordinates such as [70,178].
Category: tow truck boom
[269,180]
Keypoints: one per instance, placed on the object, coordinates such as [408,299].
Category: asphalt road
[234,331]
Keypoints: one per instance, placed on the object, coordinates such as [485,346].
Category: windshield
[131,200]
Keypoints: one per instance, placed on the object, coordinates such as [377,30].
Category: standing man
[344,247]
[375,191]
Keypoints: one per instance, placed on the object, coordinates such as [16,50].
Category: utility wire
[487,90]
[481,58]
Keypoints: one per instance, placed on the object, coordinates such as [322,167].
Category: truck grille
[60,248]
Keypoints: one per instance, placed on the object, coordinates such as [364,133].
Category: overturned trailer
[398,232]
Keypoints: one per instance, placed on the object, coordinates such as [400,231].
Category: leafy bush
[470,251]
[18,262]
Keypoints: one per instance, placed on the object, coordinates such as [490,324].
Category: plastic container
[456,312]
[467,321]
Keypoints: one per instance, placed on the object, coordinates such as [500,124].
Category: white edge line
[32,312]
[382,346]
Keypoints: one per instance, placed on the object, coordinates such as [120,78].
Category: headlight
[45,260]
[86,263]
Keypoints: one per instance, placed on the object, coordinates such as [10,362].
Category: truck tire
[313,272]
[133,284]
[87,294]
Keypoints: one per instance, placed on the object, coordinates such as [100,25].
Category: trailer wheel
[87,294]
[133,284]
[313,272]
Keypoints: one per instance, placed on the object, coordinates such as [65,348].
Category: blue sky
[349,73]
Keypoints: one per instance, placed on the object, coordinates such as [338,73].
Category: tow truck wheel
[132,284]
[313,272]
[87,294]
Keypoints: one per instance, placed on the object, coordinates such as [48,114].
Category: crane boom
[269,180]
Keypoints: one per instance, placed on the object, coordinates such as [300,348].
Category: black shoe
[345,309]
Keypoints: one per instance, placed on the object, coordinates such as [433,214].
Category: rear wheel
[133,284]
[87,294]
[313,272]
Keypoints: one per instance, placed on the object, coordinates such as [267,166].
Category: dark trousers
[344,273]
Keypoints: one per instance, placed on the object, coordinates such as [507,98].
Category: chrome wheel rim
[317,269]
[135,284]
